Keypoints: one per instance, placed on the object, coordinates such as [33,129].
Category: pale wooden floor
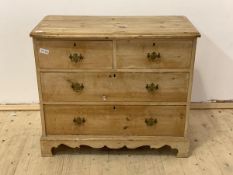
[211,134]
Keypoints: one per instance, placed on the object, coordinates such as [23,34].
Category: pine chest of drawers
[114,81]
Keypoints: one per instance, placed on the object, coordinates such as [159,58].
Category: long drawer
[153,53]
[74,54]
[115,120]
[102,86]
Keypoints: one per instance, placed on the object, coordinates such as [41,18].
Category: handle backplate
[76,57]
[79,121]
[77,87]
[151,121]
[153,56]
[152,87]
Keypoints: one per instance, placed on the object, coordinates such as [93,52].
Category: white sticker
[44,51]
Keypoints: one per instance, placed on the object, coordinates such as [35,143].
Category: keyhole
[153,44]
[114,107]
[74,44]
[114,75]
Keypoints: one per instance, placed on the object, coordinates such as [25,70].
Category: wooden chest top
[109,27]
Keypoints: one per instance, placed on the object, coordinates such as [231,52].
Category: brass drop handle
[151,121]
[152,87]
[153,56]
[76,57]
[77,87]
[79,121]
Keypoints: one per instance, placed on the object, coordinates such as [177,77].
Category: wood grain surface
[174,54]
[99,87]
[115,120]
[105,27]
[96,54]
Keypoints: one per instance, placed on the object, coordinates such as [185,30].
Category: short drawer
[74,54]
[157,54]
[101,86]
[115,120]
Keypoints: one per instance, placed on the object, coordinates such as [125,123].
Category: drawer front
[115,120]
[158,87]
[75,54]
[158,54]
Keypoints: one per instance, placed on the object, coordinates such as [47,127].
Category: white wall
[213,77]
